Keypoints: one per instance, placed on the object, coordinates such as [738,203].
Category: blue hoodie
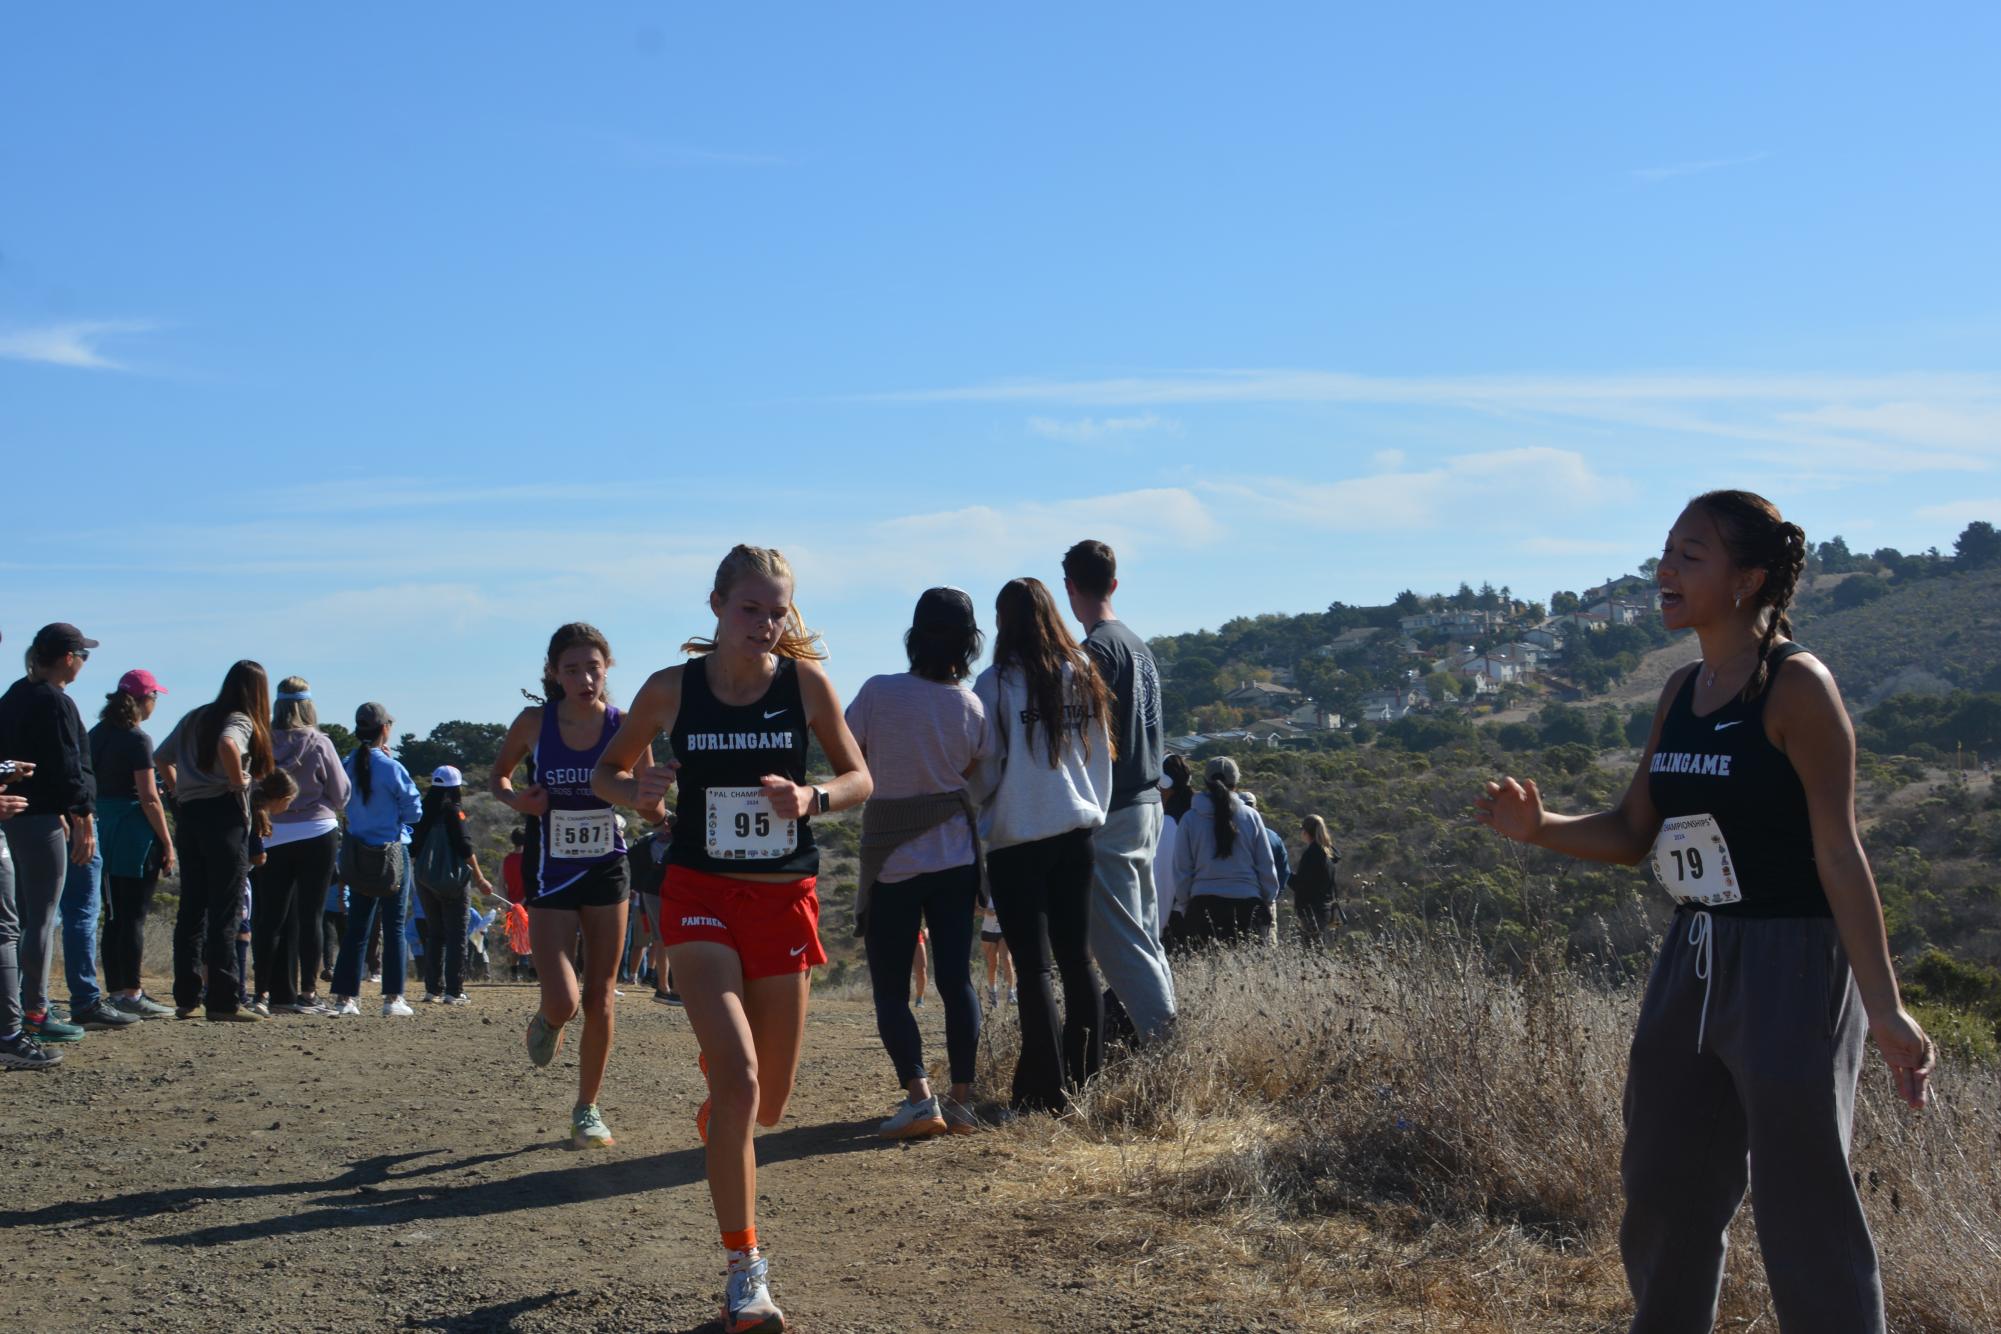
[393,804]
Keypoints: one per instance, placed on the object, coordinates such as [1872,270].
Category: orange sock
[745,1240]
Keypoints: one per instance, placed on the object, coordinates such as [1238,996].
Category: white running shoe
[347,1007]
[914,1120]
[396,1007]
[747,1304]
[458,998]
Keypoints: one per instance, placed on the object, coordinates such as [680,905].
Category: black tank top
[1724,766]
[724,750]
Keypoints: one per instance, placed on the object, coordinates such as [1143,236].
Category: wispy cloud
[1869,424]
[631,150]
[1963,511]
[1655,175]
[1086,430]
[73,343]
[1486,491]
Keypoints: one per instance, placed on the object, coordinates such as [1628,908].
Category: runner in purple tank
[573,864]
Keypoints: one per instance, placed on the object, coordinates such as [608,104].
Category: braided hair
[1758,537]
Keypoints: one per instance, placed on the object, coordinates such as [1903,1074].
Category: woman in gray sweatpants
[1749,1045]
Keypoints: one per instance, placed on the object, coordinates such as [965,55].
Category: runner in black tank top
[1750,1036]
[578,879]
[738,907]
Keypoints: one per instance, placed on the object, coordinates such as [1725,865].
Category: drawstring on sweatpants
[1700,935]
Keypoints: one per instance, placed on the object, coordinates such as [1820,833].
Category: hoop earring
[1737,602]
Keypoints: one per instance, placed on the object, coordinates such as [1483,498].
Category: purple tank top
[580,832]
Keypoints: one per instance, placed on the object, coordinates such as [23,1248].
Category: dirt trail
[320,1174]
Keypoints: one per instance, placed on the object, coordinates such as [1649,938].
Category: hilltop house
[1263,695]
[1387,706]
[1457,621]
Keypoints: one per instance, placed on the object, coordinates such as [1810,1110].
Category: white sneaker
[914,1120]
[347,1007]
[430,998]
[396,1007]
[747,1304]
[375,979]
[460,999]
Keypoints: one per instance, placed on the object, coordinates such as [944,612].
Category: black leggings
[288,892]
[1042,895]
[131,896]
[445,925]
[215,858]
[945,900]
[1213,919]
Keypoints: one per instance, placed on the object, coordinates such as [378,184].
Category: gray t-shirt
[920,737]
[1126,663]
[191,783]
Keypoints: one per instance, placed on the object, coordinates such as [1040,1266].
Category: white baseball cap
[446,775]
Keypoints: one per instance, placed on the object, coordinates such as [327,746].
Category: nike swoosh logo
[796,953]
[1721,726]
[769,716]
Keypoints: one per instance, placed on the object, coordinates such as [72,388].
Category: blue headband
[294,695]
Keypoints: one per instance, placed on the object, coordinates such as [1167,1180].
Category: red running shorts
[773,927]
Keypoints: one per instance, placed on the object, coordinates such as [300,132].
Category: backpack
[439,867]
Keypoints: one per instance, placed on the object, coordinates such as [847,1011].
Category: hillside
[1923,636]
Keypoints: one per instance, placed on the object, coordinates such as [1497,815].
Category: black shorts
[994,936]
[603,886]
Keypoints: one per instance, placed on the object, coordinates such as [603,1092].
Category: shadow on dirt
[371,1194]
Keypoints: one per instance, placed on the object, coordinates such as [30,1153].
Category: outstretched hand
[1511,809]
[1910,1054]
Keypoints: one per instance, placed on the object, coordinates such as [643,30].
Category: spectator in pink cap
[131,834]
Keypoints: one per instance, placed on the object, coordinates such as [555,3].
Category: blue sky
[375,342]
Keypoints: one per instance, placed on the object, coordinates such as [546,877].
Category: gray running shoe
[543,1039]
[959,1118]
[105,1015]
[22,1052]
[747,1304]
[455,998]
[666,997]
[588,1130]
[141,1006]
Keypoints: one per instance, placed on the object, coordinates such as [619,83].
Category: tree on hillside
[456,743]
[1490,600]
[1835,557]
[1408,603]
[344,740]
[1977,546]
[1465,598]
[1563,603]
[1649,567]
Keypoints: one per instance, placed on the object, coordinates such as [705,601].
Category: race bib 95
[743,827]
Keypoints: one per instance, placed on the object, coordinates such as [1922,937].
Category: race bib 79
[1692,862]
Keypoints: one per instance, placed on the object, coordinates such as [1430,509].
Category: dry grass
[1404,1136]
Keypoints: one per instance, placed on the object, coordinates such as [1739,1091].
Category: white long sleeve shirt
[1022,797]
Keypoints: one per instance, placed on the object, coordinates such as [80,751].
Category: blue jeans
[361,913]
[79,908]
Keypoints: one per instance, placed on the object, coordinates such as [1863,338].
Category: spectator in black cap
[923,733]
[40,723]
